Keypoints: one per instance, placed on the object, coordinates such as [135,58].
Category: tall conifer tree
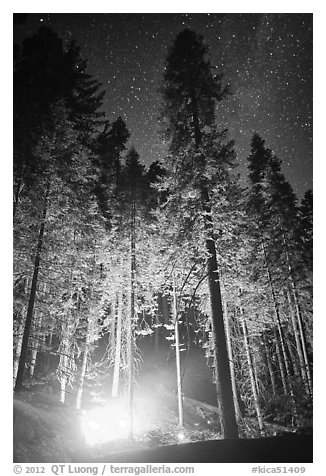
[190,93]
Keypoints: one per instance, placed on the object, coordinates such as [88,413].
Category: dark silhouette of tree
[108,147]
[48,77]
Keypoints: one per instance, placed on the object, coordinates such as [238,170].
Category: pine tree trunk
[36,345]
[117,357]
[112,338]
[229,425]
[177,356]
[165,309]
[251,371]
[230,353]
[130,336]
[298,346]
[223,375]
[18,348]
[157,340]
[269,365]
[277,319]
[295,367]
[299,318]
[281,367]
[157,320]
[48,360]
[63,365]
[254,367]
[83,368]
[32,297]
[281,336]
[63,380]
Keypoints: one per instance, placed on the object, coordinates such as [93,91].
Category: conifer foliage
[111,256]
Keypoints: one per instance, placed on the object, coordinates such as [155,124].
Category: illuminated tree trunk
[18,347]
[281,366]
[231,360]
[222,367]
[63,378]
[177,356]
[112,337]
[36,344]
[32,297]
[269,365]
[251,371]
[254,366]
[299,319]
[63,367]
[278,320]
[130,333]
[229,425]
[66,366]
[117,356]
[293,358]
[298,346]
[157,340]
[50,339]
[190,92]
[83,367]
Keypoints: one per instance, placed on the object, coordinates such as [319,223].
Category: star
[266,59]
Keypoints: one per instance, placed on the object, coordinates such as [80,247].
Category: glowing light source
[109,422]
[103,424]
[181,436]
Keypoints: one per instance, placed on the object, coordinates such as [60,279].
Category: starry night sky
[266,59]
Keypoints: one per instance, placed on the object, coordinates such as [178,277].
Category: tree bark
[222,367]
[298,346]
[50,339]
[299,318]
[130,332]
[229,425]
[32,297]
[117,356]
[281,366]
[177,355]
[36,345]
[277,320]
[293,358]
[230,353]
[251,371]
[165,309]
[63,379]
[18,348]
[269,365]
[83,368]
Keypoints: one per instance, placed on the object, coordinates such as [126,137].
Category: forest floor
[47,431]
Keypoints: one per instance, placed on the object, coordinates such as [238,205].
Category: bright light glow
[110,422]
[103,424]
[181,436]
